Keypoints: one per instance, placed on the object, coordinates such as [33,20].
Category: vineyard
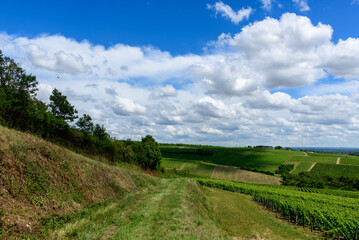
[328,211]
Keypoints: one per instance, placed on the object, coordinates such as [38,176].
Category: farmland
[335,215]
[230,162]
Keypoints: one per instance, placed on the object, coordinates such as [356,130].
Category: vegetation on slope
[333,214]
[40,182]
[20,109]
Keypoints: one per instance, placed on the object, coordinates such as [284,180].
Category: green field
[302,167]
[261,159]
[319,159]
[336,215]
[345,159]
[322,169]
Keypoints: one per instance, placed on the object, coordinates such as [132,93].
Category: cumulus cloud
[231,96]
[267,4]
[225,76]
[284,51]
[266,100]
[302,5]
[125,106]
[227,12]
[164,92]
[342,59]
[64,55]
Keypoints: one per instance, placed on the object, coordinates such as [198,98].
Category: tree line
[21,110]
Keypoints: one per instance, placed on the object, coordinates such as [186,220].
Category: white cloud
[125,106]
[342,59]
[226,11]
[284,51]
[225,76]
[63,55]
[164,92]
[228,96]
[267,4]
[302,5]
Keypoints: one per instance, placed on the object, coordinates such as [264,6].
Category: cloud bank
[277,82]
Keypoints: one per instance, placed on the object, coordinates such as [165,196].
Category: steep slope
[40,181]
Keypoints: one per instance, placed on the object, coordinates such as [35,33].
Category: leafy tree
[85,124]
[150,156]
[278,147]
[60,107]
[17,93]
[100,132]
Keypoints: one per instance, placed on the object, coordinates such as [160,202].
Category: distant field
[322,169]
[349,160]
[230,173]
[302,167]
[261,159]
[265,160]
[319,159]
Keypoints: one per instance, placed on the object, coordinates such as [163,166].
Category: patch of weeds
[2,156]
[58,221]
[2,215]
[19,150]
[37,178]
[115,187]
[78,197]
[65,164]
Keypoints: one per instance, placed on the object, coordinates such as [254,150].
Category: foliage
[20,109]
[308,179]
[336,215]
[285,169]
[60,106]
[85,124]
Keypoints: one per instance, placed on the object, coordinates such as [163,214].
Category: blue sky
[176,26]
[234,73]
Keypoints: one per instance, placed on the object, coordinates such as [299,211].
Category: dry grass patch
[39,179]
[235,174]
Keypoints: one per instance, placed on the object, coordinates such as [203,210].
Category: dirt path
[295,166]
[338,160]
[305,154]
[311,167]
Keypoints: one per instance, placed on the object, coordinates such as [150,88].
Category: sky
[229,73]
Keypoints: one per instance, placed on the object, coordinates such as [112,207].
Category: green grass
[171,163]
[173,209]
[266,160]
[241,218]
[193,167]
[319,159]
[302,167]
[322,169]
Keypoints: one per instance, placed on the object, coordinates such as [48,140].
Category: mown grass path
[241,218]
[174,209]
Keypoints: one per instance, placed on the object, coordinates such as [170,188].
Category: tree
[278,147]
[100,132]
[60,107]
[17,93]
[85,124]
[151,154]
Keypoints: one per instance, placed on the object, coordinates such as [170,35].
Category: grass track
[174,209]
[241,218]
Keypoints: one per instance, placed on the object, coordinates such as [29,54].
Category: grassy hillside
[41,182]
[260,159]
